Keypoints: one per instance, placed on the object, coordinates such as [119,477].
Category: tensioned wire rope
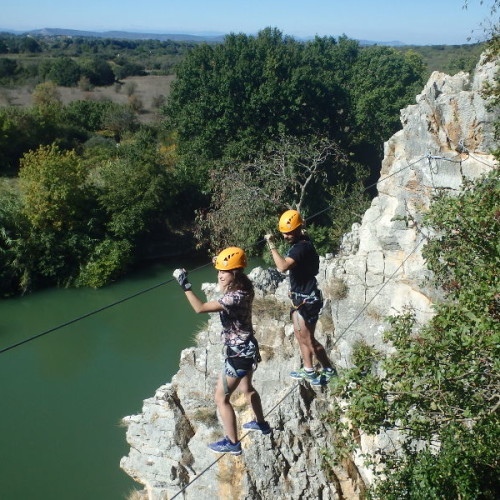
[125,299]
[424,237]
[295,386]
[200,267]
[95,311]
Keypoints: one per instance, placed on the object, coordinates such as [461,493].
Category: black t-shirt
[303,274]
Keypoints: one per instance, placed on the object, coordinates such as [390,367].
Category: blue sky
[410,21]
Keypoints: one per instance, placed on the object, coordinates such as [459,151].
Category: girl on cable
[240,346]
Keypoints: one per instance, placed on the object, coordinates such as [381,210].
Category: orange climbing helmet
[231,258]
[289,221]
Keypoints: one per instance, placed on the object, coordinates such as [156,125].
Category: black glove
[181,275]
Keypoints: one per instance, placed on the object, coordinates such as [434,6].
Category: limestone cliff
[446,136]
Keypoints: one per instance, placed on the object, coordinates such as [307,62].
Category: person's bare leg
[309,346]
[303,336]
[225,408]
[252,396]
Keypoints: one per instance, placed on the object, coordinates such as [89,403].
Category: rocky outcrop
[446,136]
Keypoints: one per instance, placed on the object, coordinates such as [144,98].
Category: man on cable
[302,262]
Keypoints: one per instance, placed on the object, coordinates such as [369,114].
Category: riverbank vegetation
[436,396]
[249,127]
[437,393]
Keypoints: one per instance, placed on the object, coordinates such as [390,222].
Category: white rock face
[446,136]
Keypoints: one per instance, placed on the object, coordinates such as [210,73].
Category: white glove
[181,276]
[270,238]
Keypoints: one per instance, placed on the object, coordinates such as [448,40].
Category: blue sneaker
[226,446]
[257,426]
[303,375]
[324,377]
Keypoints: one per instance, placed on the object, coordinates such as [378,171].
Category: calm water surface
[63,395]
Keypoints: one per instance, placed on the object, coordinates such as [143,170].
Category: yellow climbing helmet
[231,258]
[289,221]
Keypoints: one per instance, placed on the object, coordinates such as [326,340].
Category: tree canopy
[230,98]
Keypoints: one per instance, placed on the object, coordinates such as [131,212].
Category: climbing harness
[248,350]
[300,299]
[310,298]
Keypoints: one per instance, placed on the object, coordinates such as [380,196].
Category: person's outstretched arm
[198,305]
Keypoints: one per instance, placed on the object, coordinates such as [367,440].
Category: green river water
[63,394]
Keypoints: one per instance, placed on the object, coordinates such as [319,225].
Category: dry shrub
[207,416]
[158,101]
[335,289]
[266,352]
[84,84]
[373,313]
[270,307]
[135,103]
[130,88]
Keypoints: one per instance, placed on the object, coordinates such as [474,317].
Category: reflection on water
[64,394]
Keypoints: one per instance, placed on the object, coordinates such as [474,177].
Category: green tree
[288,173]
[90,115]
[62,71]
[135,193]
[20,131]
[8,67]
[98,71]
[383,82]
[47,97]
[133,189]
[107,261]
[27,44]
[52,188]
[119,119]
[127,68]
[461,63]
[10,223]
[230,99]
[54,203]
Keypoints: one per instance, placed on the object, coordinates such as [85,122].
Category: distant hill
[125,35]
[179,37]
[395,43]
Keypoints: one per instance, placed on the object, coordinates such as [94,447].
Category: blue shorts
[238,367]
[241,360]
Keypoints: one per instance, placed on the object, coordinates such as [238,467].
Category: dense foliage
[82,219]
[65,60]
[48,121]
[231,98]
[449,59]
[233,102]
[254,125]
[440,387]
